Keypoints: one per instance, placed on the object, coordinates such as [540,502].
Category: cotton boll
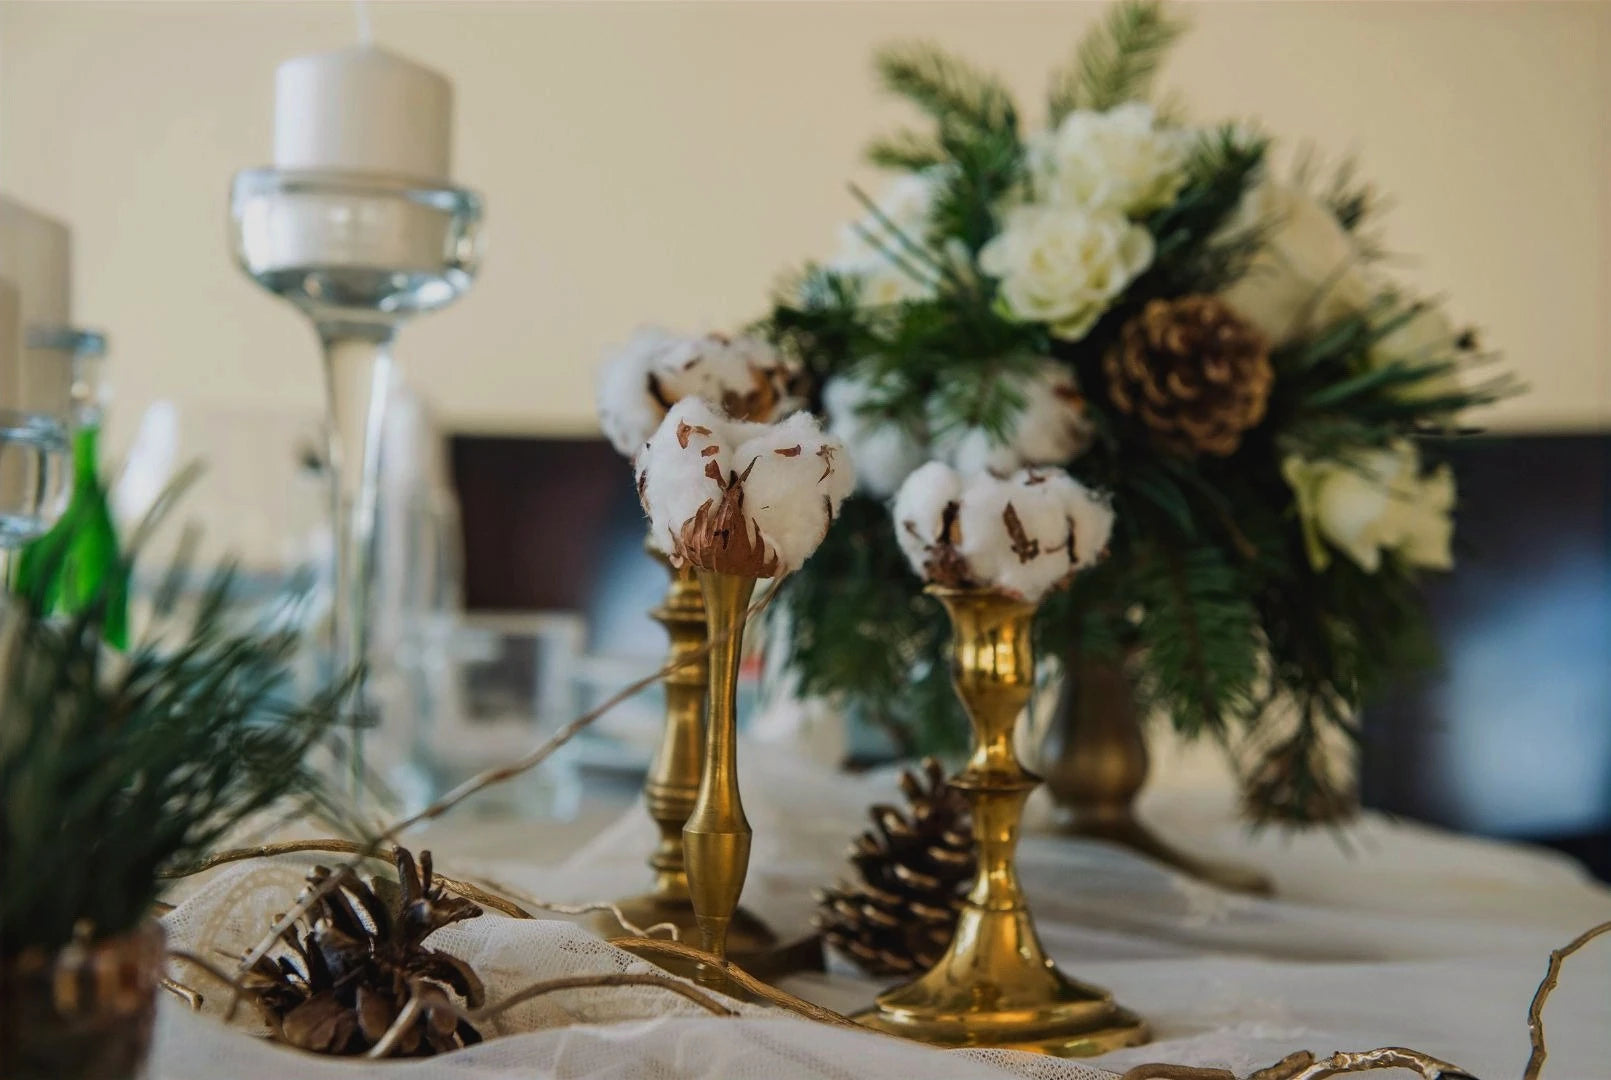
[796,479]
[744,376]
[1015,533]
[884,452]
[1052,428]
[1023,534]
[674,471]
[920,512]
[1090,514]
[628,408]
[737,497]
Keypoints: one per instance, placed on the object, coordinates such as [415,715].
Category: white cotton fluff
[1053,428]
[1024,534]
[884,452]
[656,369]
[791,476]
[800,477]
[919,511]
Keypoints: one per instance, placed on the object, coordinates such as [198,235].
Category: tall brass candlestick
[673,780]
[995,986]
[716,839]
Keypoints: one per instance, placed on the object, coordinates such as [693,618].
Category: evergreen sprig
[112,768]
[1117,60]
[957,95]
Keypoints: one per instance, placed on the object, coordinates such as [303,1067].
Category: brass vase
[84,1012]
[995,985]
[1096,763]
[673,782]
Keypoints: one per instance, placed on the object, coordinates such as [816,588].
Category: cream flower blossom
[1427,337]
[1024,534]
[1114,160]
[1377,502]
[1309,271]
[738,497]
[656,369]
[1064,266]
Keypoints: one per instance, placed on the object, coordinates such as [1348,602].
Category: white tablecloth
[1383,934]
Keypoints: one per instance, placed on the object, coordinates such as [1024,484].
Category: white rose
[884,452]
[875,249]
[1064,266]
[1114,160]
[1309,271]
[1427,337]
[1377,502]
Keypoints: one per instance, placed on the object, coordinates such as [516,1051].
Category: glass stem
[358,377]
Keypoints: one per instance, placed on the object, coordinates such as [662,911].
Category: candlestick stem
[716,839]
[358,377]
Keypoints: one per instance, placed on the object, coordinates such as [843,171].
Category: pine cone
[915,870]
[1193,371]
[357,959]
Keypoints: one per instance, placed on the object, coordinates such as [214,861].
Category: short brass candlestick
[716,838]
[1097,764]
[673,781]
[995,986]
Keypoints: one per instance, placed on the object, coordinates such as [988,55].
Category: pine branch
[906,151]
[1201,663]
[1116,61]
[957,95]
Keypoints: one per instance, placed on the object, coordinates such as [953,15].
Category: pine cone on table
[357,959]
[915,869]
[1193,371]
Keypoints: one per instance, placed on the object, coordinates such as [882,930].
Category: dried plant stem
[1303,1066]
[770,994]
[1535,1011]
[411,1011]
[405,1020]
[488,894]
[182,992]
[479,783]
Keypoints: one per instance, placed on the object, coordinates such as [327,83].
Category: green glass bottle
[79,562]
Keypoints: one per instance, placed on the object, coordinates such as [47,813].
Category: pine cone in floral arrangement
[915,869]
[1193,371]
[357,960]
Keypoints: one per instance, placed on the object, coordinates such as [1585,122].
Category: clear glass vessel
[358,255]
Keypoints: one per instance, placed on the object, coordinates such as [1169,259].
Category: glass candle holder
[358,255]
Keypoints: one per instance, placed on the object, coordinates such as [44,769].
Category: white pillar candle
[363,110]
[35,257]
[36,271]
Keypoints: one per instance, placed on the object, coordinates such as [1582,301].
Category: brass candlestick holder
[995,985]
[716,838]
[1097,764]
[673,782]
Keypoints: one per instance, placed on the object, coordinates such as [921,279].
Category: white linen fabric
[1380,934]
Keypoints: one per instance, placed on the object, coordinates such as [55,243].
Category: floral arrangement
[1142,302]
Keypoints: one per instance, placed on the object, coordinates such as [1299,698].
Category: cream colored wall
[664,161]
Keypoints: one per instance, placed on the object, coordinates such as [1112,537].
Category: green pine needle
[950,90]
[1116,61]
[111,769]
